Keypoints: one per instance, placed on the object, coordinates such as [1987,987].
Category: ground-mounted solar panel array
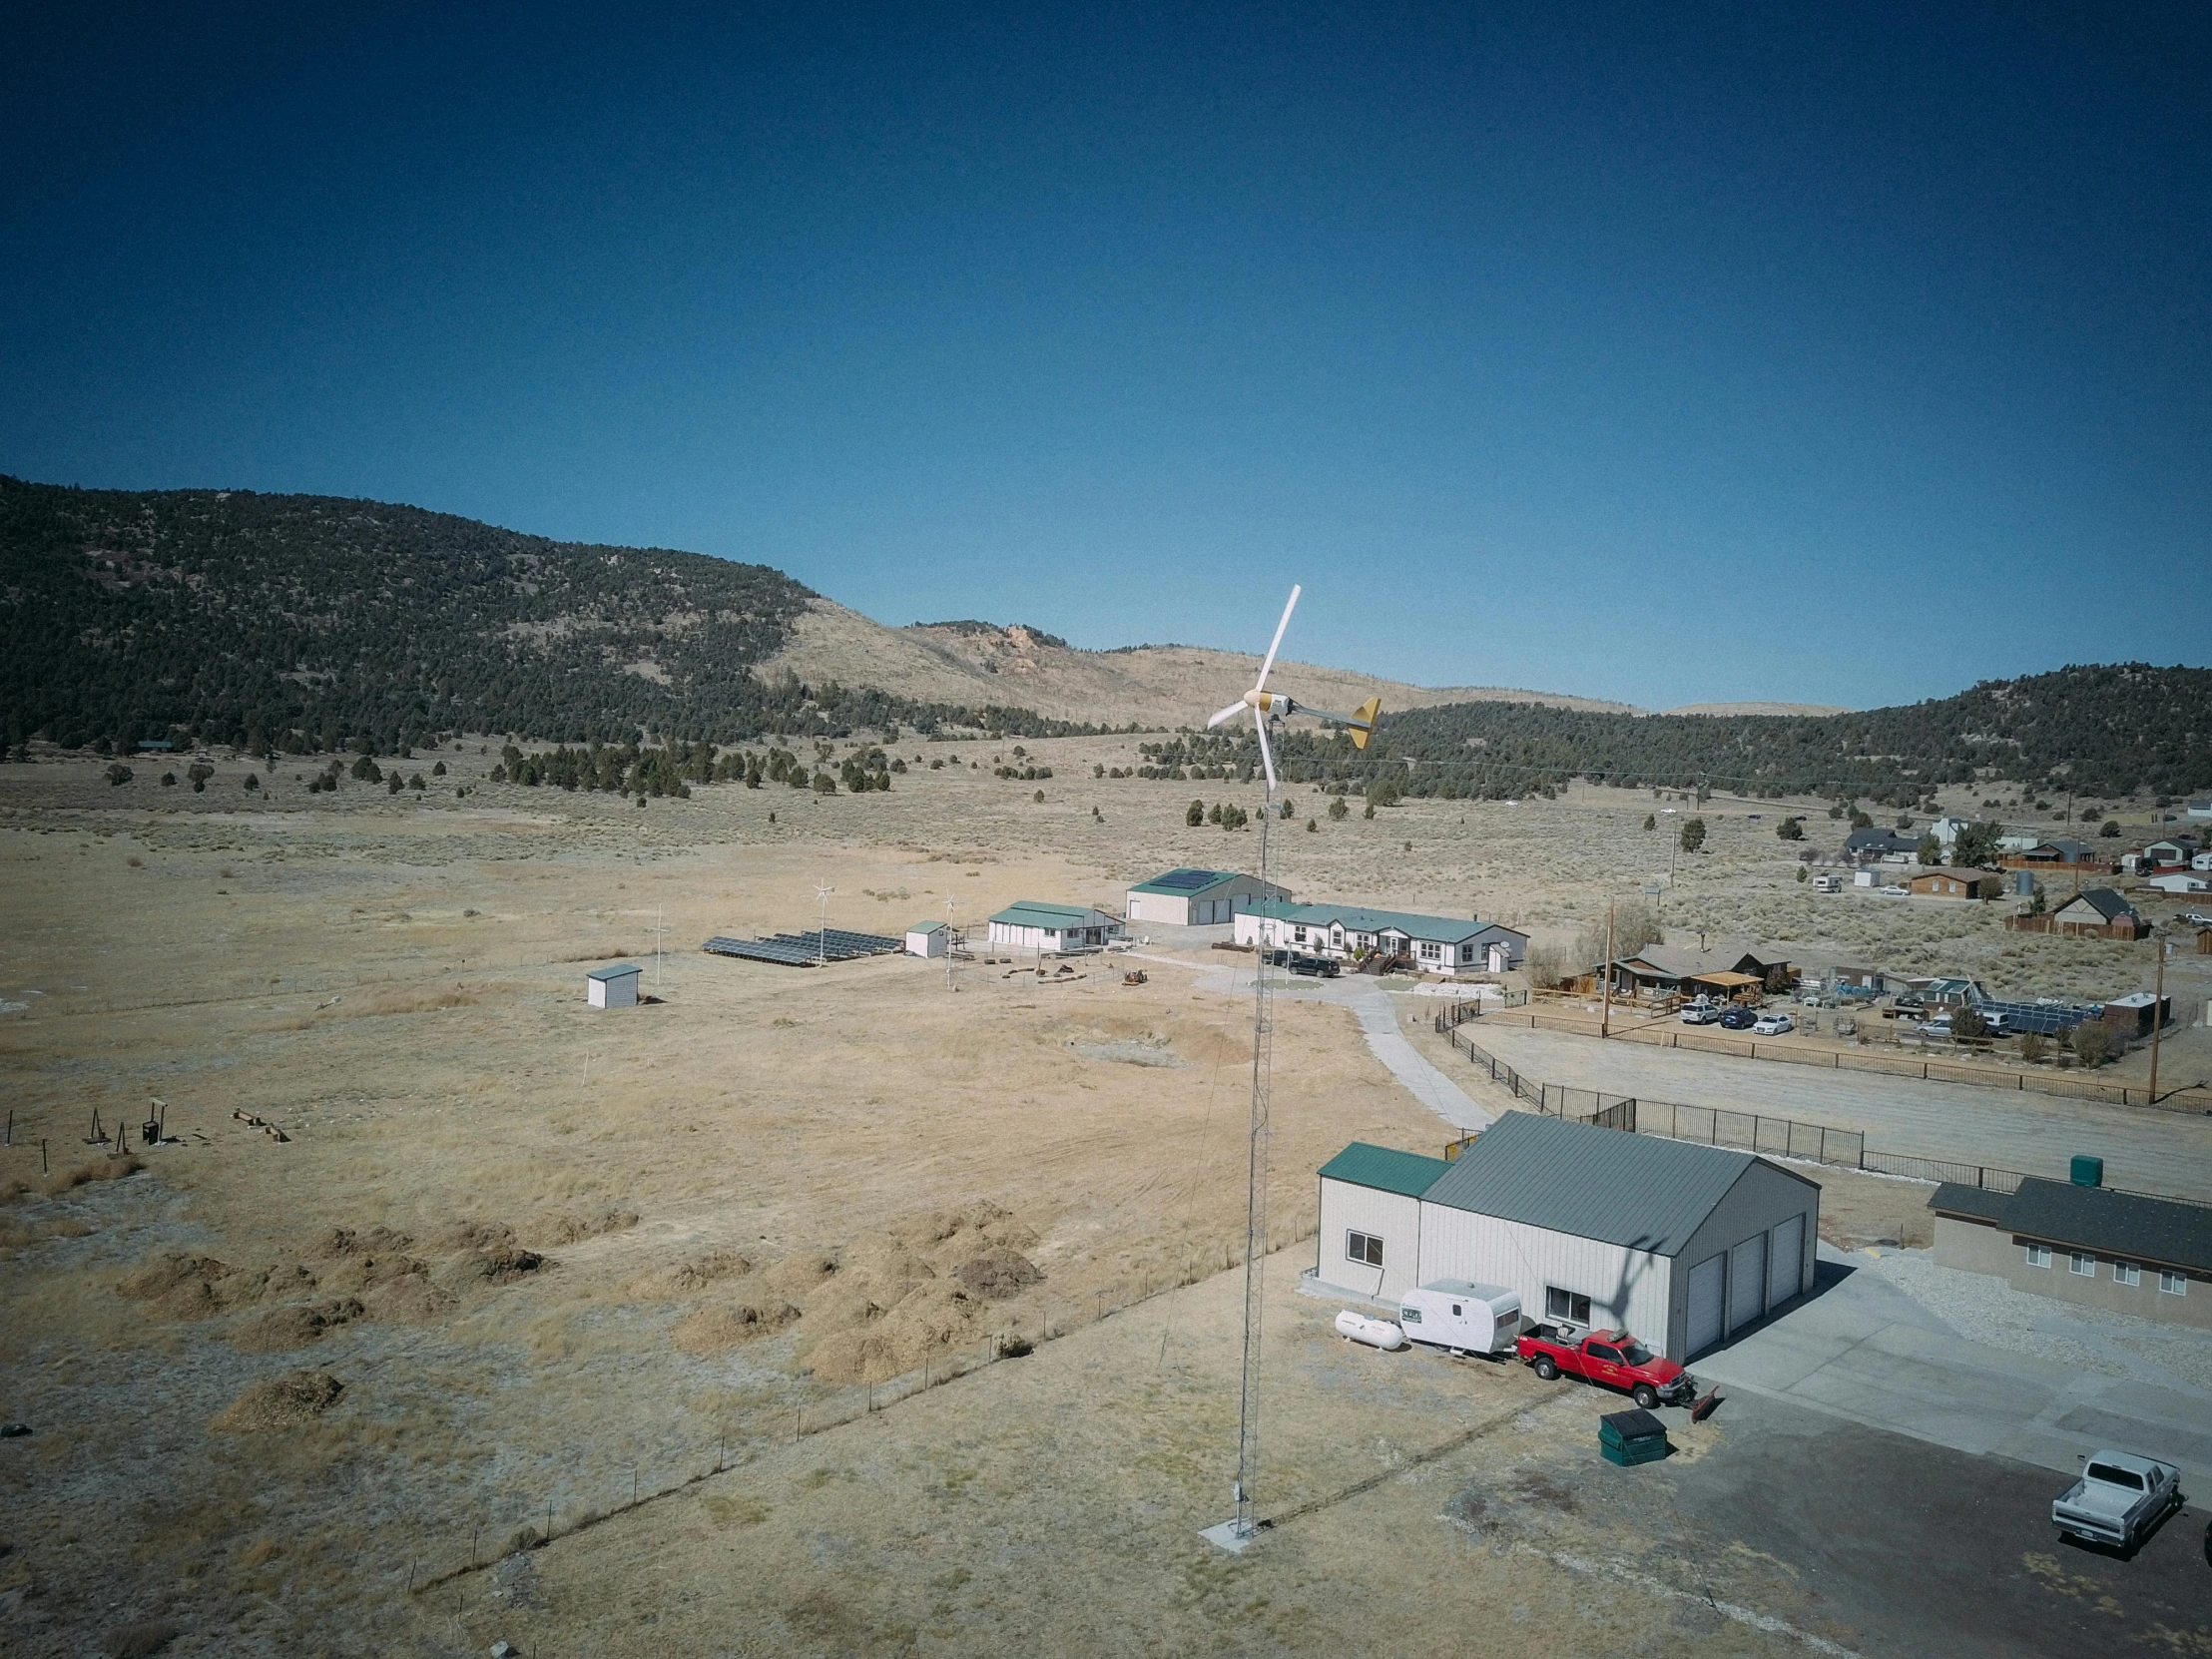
[2047,1019]
[805,950]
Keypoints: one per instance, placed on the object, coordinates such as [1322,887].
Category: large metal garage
[1598,1227]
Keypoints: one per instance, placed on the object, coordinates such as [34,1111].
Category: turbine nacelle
[1266,705]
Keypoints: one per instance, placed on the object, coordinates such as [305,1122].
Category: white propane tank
[1382,1334]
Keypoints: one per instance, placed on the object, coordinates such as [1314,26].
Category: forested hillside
[310,622]
[2103,730]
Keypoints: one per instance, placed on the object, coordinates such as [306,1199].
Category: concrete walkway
[2151,1151]
[1865,1349]
[1377,1016]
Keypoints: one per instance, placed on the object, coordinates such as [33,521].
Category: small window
[1458,1312]
[1566,1305]
[1409,1315]
[2173,1283]
[2038,1256]
[2085,1265]
[2126,1273]
[1366,1248]
[2111,1474]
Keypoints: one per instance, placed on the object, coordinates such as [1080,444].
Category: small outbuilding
[1370,1218]
[1198,898]
[613,987]
[928,939]
[1054,929]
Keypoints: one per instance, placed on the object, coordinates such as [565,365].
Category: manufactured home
[1054,929]
[1447,946]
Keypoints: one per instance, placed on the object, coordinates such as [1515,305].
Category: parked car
[1939,1027]
[1701,1013]
[1892,891]
[1315,967]
[1738,1018]
[2118,1501]
[1773,1025]
[1612,1357]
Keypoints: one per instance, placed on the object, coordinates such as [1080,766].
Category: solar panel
[2046,1018]
[805,950]
[1186,880]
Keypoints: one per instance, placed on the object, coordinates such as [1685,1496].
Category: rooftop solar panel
[1189,880]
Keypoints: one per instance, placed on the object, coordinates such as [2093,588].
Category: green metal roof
[1385,1170]
[1056,918]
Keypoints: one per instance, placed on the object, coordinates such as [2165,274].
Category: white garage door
[1789,1259]
[1705,1305]
[1746,1282]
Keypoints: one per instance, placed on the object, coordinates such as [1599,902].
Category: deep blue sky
[1838,354]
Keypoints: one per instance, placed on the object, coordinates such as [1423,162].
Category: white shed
[1680,1244]
[928,939]
[1370,1220]
[612,987]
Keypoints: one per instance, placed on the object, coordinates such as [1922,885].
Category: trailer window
[1365,1248]
[1566,1305]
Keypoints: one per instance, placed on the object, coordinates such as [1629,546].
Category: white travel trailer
[1461,1318]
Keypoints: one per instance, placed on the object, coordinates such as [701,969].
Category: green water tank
[2088,1172]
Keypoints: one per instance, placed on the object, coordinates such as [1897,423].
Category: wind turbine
[822,938]
[1237,1533]
[1266,705]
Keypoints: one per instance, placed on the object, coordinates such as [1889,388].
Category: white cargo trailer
[1461,1318]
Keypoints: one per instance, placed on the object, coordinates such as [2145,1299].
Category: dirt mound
[840,1307]
[712,1329]
[931,1320]
[885,1267]
[412,1298]
[474,1237]
[180,1285]
[799,1272]
[506,1264]
[275,1402]
[998,1273]
[296,1326]
[934,1226]
[688,1277]
[344,1242]
[569,1229]
[365,1272]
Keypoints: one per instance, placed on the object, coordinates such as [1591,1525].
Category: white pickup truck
[2118,1500]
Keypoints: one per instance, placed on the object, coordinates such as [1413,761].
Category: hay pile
[571,1229]
[297,1324]
[712,1329]
[277,1403]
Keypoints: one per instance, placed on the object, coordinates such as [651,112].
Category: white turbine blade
[1236,708]
[1267,754]
[1261,683]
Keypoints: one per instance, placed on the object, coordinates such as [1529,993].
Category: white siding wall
[1393,1217]
[1625,1286]
[1760,1201]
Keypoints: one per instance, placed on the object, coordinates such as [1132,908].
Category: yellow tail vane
[1364,722]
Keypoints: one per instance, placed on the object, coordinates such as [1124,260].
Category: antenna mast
[1255,1203]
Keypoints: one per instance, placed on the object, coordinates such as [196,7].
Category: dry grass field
[514,1260]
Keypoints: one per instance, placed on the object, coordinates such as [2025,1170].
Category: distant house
[2151,1257]
[2170,854]
[2059,849]
[1724,971]
[2098,912]
[2137,1015]
[1054,929]
[2182,881]
[1198,898]
[1869,846]
[1449,946]
[1948,882]
[2200,809]
[1947,831]
[1951,992]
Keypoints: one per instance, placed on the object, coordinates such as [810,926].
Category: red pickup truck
[1612,1357]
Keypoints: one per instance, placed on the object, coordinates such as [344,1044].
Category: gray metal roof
[2104,901]
[1593,1183]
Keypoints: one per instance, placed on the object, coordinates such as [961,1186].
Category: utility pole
[1605,1021]
[2158,1020]
[660,984]
[948,985]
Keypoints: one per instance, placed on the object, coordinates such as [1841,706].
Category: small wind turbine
[1235,1533]
[1266,705]
[821,940]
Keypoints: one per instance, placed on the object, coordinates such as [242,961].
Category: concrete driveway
[1862,1348]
